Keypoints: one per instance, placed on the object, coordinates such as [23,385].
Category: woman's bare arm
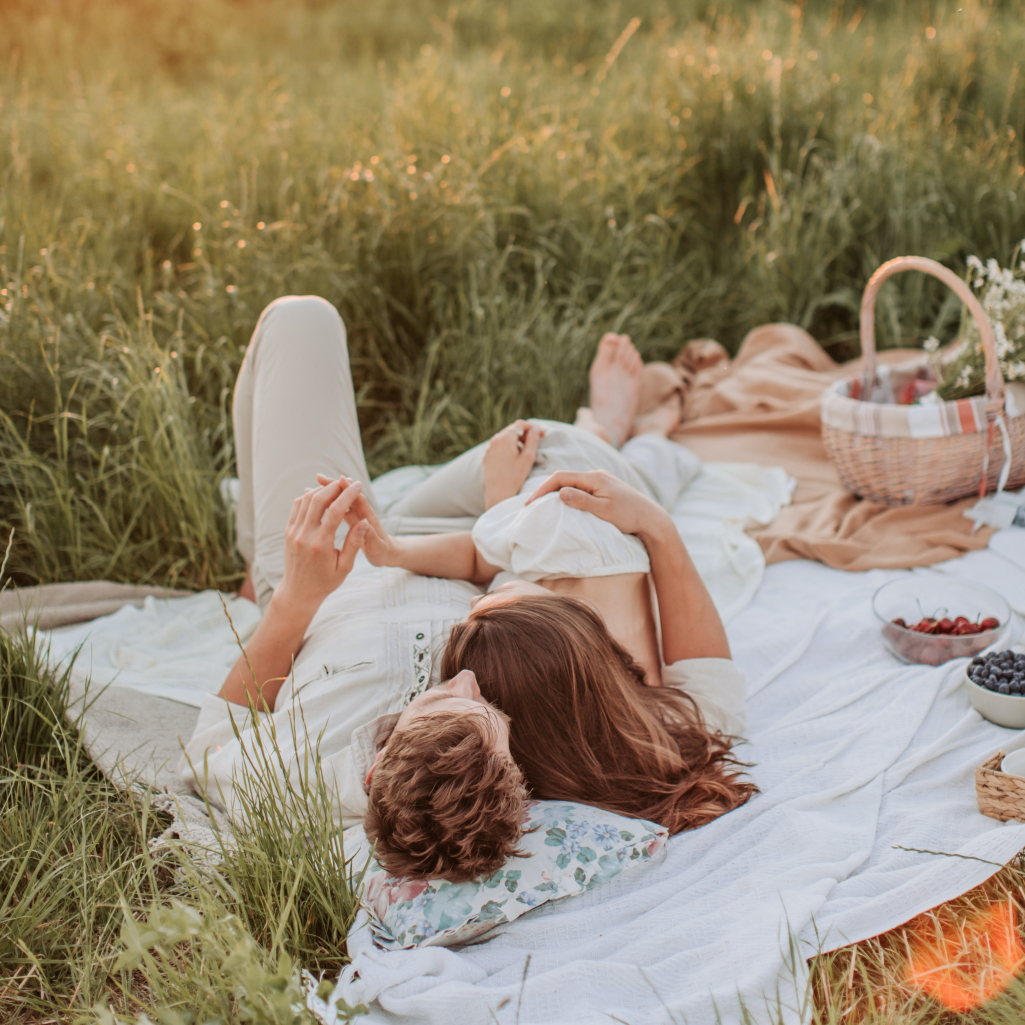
[691,627]
[450,556]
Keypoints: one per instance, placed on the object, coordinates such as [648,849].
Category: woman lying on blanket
[571,670]
[577,665]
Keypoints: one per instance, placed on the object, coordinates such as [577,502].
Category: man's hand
[508,460]
[598,492]
[313,569]
[313,566]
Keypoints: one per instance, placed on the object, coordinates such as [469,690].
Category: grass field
[482,190]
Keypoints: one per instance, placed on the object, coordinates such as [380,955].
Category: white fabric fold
[549,539]
[863,763]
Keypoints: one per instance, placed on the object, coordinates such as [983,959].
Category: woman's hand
[313,566]
[380,548]
[598,492]
[508,460]
[691,627]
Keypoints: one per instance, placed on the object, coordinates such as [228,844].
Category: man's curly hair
[443,802]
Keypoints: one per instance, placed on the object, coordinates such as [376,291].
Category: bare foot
[660,405]
[615,379]
[662,420]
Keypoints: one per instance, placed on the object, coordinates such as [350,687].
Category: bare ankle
[586,421]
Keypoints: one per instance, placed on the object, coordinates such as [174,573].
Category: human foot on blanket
[615,388]
[661,401]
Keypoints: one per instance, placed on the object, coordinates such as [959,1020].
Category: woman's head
[584,726]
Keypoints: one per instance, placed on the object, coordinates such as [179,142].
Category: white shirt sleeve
[216,757]
[718,688]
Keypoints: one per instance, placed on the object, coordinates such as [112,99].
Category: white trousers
[295,416]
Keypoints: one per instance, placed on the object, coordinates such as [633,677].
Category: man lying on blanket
[578,687]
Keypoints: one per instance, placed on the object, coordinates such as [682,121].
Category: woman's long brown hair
[584,725]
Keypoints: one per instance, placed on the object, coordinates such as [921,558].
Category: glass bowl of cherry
[929,618]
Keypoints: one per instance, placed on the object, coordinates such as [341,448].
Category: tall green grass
[93,924]
[481,190]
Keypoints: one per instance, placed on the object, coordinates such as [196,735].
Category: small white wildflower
[931,344]
[1004,347]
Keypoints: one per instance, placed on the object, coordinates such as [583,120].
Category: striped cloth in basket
[927,420]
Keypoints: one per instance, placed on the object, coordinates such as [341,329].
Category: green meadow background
[482,189]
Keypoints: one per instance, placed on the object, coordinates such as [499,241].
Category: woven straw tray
[1000,795]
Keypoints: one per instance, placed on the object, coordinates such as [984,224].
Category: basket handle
[994,379]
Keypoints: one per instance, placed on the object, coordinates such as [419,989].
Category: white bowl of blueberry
[996,685]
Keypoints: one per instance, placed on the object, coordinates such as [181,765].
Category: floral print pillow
[571,848]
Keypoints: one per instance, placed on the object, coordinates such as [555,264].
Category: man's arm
[691,627]
[313,569]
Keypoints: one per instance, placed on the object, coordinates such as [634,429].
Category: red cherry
[961,621]
[899,622]
[990,623]
[945,626]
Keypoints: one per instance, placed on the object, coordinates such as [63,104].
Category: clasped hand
[314,567]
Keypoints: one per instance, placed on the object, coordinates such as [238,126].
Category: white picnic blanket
[857,757]
[183,648]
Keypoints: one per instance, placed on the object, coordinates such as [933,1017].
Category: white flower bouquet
[1004,303]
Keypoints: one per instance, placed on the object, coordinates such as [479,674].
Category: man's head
[446,798]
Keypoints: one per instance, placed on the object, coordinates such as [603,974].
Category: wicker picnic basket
[920,454]
[1000,795]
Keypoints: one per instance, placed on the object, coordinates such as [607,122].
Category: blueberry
[1004,688]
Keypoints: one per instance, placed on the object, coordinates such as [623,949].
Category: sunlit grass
[481,202]
[482,190]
